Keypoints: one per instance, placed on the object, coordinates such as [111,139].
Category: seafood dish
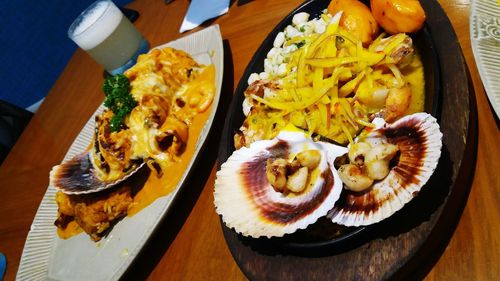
[154,114]
[289,164]
[386,167]
[125,215]
[344,91]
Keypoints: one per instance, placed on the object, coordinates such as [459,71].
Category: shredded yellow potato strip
[332,83]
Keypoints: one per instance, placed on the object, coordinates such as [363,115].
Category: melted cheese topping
[157,187]
[195,113]
[174,95]
[170,89]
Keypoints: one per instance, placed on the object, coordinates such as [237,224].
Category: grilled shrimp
[397,102]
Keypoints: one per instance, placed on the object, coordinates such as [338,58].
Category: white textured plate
[485,40]
[47,257]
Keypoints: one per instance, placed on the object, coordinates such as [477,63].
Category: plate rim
[479,56]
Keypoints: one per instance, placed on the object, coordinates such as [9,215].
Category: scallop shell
[249,204]
[419,140]
[78,175]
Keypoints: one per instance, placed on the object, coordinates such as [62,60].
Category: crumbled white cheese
[292,32]
[290,49]
[281,70]
[279,40]
[300,18]
[253,77]
[319,26]
[264,76]
[275,64]
[273,52]
[247,106]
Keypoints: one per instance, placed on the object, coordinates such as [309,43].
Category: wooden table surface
[193,248]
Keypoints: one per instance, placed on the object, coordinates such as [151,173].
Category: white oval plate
[485,41]
[47,257]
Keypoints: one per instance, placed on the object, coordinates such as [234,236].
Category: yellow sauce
[414,74]
[156,187]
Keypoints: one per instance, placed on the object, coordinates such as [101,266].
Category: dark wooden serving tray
[406,245]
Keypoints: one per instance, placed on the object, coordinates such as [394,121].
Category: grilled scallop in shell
[252,196]
[78,175]
[418,141]
[107,163]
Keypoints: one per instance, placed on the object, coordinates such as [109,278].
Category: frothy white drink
[107,36]
[87,34]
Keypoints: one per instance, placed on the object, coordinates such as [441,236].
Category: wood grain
[193,248]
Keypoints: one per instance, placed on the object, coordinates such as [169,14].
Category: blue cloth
[35,47]
[3,265]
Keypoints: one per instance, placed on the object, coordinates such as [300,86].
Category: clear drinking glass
[108,36]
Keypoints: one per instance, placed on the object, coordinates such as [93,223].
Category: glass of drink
[108,36]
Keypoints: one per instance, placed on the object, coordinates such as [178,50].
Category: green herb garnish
[300,44]
[118,99]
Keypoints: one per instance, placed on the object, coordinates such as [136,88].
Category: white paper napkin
[202,10]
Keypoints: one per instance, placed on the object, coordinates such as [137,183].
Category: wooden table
[193,248]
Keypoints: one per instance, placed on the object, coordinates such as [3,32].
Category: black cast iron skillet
[323,234]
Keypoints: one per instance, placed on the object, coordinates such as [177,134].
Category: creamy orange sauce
[71,229]
[156,187]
